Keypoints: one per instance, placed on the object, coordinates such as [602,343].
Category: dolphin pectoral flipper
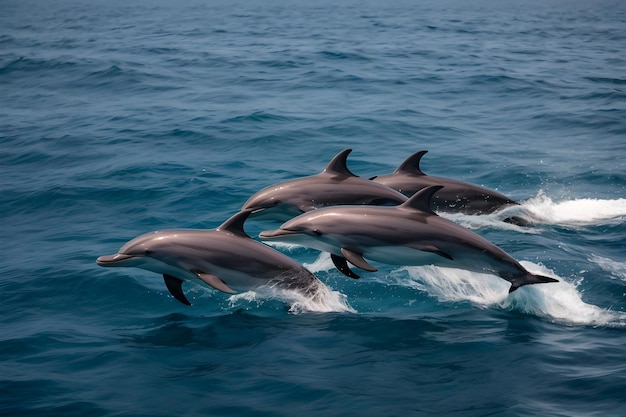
[215,282]
[433,249]
[357,260]
[175,287]
[342,265]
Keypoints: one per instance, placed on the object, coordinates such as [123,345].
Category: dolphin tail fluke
[175,287]
[530,279]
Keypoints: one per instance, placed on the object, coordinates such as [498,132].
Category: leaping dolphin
[225,258]
[409,234]
[454,197]
[336,185]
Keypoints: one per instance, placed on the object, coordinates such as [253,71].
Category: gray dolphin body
[225,259]
[409,234]
[454,197]
[336,185]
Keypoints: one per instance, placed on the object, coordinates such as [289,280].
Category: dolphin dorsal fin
[411,165]
[338,166]
[421,199]
[235,223]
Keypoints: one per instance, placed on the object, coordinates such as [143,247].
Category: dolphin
[408,234]
[225,258]
[454,197]
[335,185]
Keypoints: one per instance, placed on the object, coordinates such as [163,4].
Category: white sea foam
[286,247]
[493,221]
[323,263]
[322,300]
[558,302]
[325,300]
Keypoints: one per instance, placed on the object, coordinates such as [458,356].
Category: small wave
[352,56]
[257,117]
[492,79]
[32,64]
[607,80]
[617,269]
[558,302]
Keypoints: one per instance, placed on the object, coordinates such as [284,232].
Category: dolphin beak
[269,234]
[112,260]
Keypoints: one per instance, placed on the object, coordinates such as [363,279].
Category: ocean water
[123,117]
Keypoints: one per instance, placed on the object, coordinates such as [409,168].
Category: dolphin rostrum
[336,185]
[454,197]
[408,234]
[225,258]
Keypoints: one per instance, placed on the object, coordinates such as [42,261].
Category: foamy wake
[558,302]
[543,210]
[578,212]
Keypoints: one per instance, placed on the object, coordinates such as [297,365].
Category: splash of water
[575,213]
[323,263]
[578,212]
[558,302]
[541,209]
[493,221]
[284,247]
[321,300]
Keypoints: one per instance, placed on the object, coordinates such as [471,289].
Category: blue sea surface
[119,118]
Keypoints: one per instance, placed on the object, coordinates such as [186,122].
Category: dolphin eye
[148,252]
[317,232]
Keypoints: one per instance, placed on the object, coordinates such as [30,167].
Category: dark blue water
[120,118]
